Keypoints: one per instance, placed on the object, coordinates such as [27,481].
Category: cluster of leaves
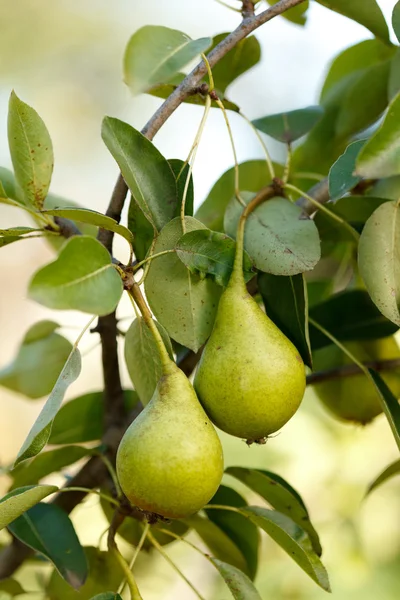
[307,271]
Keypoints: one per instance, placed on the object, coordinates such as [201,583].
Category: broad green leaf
[239,584]
[181,173]
[154,54]
[211,253]
[245,55]
[12,231]
[84,215]
[380,156]
[349,315]
[13,504]
[292,538]
[40,432]
[5,241]
[146,172]
[280,495]
[81,278]
[318,291]
[142,358]
[11,587]
[396,20]
[379,259]
[394,76]
[48,530]
[253,175]
[365,12]
[220,544]
[388,473]
[388,188]
[363,103]
[81,419]
[40,346]
[107,596]
[104,573]
[286,303]
[297,14]
[389,402]
[341,175]
[243,533]
[290,126]
[279,237]
[46,463]
[183,303]
[31,151]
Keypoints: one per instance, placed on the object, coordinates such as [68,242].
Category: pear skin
[250,379]
[170,460]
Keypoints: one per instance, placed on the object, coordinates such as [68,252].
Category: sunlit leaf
[13,504]
[388,473]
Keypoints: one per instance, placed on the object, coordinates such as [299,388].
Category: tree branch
[351,370]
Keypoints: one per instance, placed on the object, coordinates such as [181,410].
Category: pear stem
[136,295]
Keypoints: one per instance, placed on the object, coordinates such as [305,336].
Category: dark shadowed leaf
[365,12]
[146,172]
[379,259]
[154,54]
[81,278]
[291,538]
[297,14]
[40,432]
[388,473]
[210,253]
[396,20]
[279,237]
[171,289]
[244,534]
[141,228]
[286,303]
[12,587]
[31,151]
[290,126]
[349,315]
[240,59]
[40,346]
[142,358]
[380,156]
[390,404]
[239,584]
[341,177]
[48,530]
[280,495]
[13,504]
[107,596]
[181,172]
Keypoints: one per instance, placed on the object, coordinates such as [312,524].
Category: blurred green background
[65,59]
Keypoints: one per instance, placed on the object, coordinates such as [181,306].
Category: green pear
[250,379]
[354,398]
[170,460]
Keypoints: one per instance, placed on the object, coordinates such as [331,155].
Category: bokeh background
[65,59]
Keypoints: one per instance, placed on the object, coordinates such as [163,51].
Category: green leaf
[8,186]
[365,12]
[380,156]
[388,188]
[245,55]
[253,175]
[81,419]
[279,237]
[12,587]
[379,259]
[396,20]
[243,533]
[107,596]
[239,584]
[55,202]
[388,473]
[280,495]
[104,573]
[40,432]
[155,54]
[291,538]
[81,278]
[206,252]
[286,303]
[183,303]
[297,14]
[349,315]
[31,151]
[390,404]
[46,463]
[13,504]
[5,241]
[40,346]
[146,172]
[181,172]
[48,530]
[142,358]
[290,126]
[12,231]
[84,215]
[341,175]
